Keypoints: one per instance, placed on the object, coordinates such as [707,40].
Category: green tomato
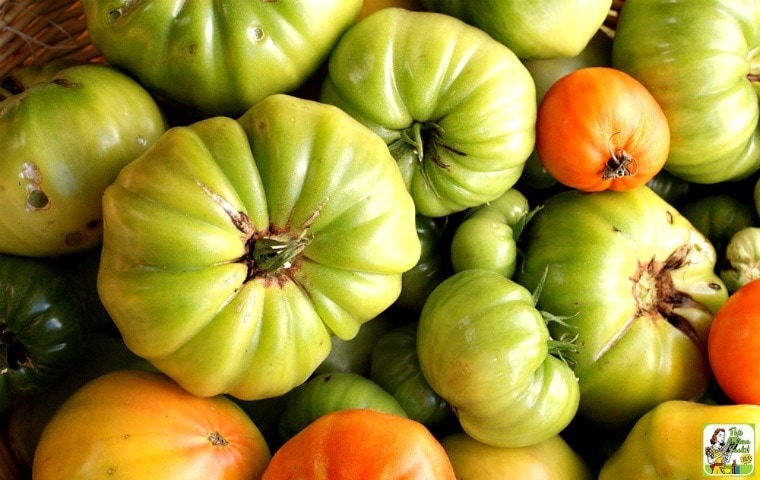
[431,269]
[330,392]
[550,459]
[66,130]
[43,330]
[672,189]
[532,29]
[395,366]
[742,260]
[485,348]
[486,237]
[718,217]
[700,62]
[218,58]
[456,108]
[635,282]
[233,250]
[354,355]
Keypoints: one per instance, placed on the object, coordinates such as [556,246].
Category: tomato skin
[719,216]
[550,459]
[698,60]
[599,128]
[458,108]
[43,326]
[189,273]
[652,450]
[484,347]
[329,392]
[371,6]
[733,345]
[396,367]
[218,59]
[531,29]
[139,425]
[486,237]
[636,282]
[361,443]
[742,260]
[66,130]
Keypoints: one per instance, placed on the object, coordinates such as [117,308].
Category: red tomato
[361,444]
[733,345]
[598,128]
[137,425]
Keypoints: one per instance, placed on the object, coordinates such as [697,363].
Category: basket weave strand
[40,31]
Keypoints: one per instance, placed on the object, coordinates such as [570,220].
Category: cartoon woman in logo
[717,453]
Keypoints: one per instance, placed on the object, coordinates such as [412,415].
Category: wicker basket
[37,31]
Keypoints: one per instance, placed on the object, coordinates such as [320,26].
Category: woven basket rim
[39,31]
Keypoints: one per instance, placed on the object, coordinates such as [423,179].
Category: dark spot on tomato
[37,200]
[327,378]
[192,48]
[75,239]
[93,224]
[669,216]
[714,286]
[62,82]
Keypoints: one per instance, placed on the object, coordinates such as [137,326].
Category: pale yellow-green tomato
[551,459]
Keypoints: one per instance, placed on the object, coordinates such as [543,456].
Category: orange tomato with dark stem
[598,128]
[361,444]
[733,345]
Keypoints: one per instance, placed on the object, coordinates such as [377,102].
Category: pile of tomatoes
[380,239]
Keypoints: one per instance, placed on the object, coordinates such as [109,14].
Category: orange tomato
[598,128]
[141,425]
[361,444]
[371,6]
[733,345]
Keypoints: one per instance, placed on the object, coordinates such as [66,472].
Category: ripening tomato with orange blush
[733,345]
[598,128]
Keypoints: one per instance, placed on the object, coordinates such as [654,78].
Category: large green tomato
[533,29]
[65,132]
[220,57]
[636,283]
[700,61]
[233,250]
[485,349]
[456,108]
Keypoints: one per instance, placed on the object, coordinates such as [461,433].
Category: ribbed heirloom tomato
[599,128]
[733,345]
